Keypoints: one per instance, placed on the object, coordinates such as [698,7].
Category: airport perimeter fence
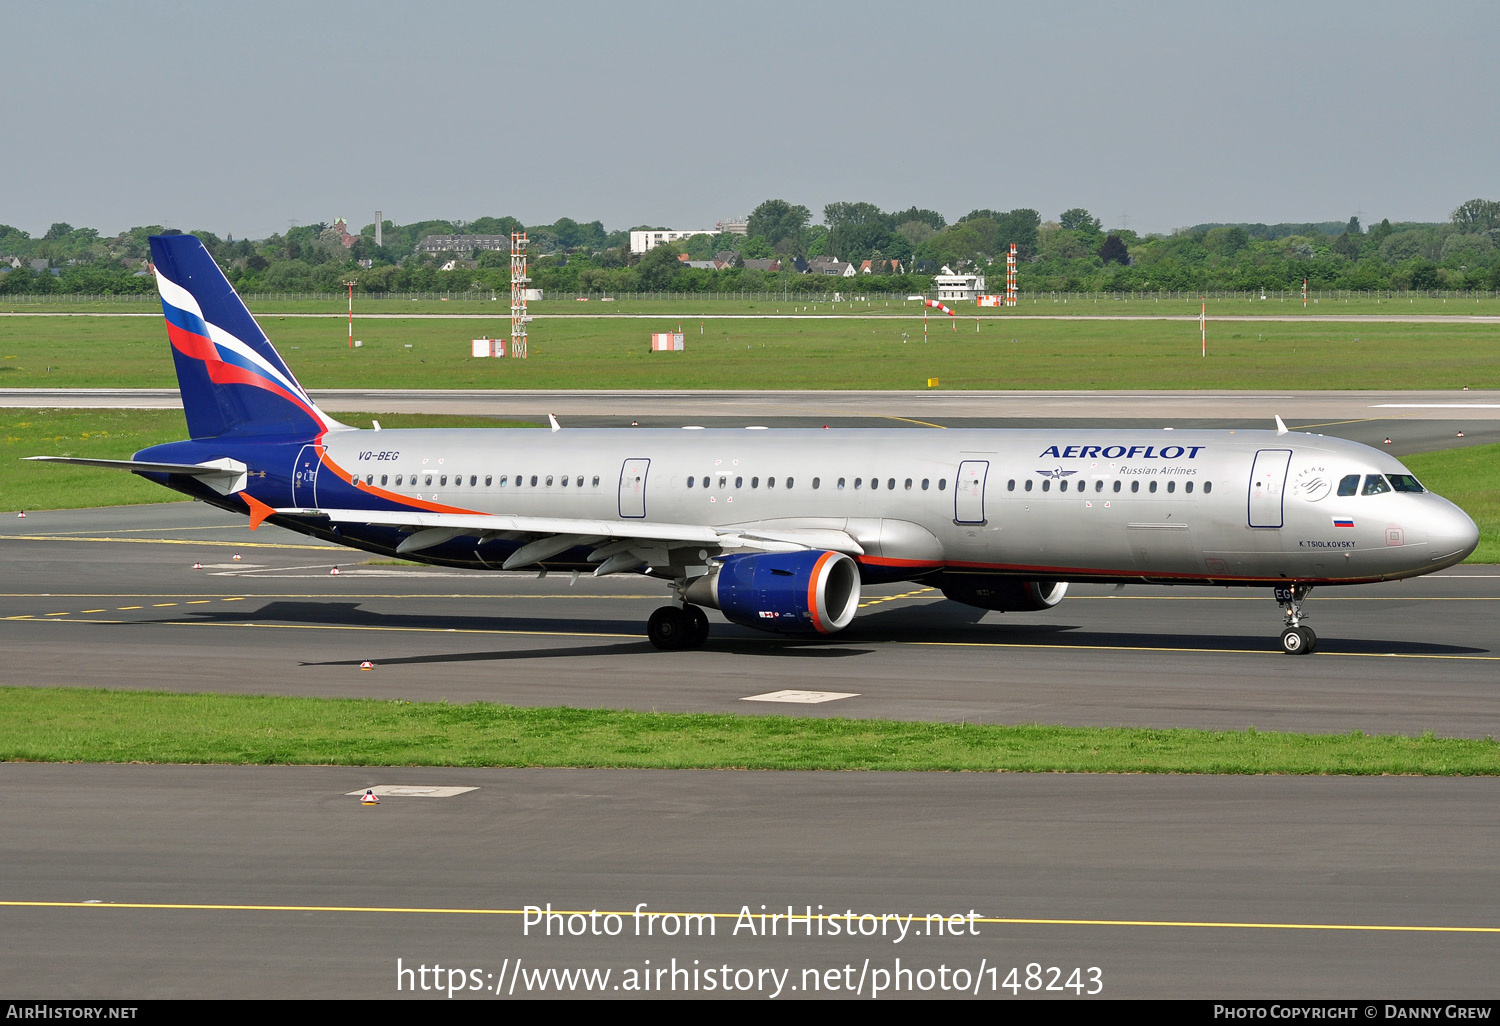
[339,299]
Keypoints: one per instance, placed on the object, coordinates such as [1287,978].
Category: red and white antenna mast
[518,284]
[1011,293]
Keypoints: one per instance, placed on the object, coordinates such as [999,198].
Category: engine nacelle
[1005,594]
[786,592]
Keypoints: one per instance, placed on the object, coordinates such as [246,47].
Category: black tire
[1293,641]
[1310,638]
[669,629]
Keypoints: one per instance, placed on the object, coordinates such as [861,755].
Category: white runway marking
[801,697]
[412,791]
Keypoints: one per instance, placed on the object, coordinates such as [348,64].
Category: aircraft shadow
[939,622]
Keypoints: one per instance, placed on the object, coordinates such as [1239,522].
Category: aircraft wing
[618,545]
[224,475]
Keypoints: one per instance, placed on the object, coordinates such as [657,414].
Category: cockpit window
[1405,483]
[1375,484]
[1349,484]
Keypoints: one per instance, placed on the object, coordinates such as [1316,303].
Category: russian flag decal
[1343,521]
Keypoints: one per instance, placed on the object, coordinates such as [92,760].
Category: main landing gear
[1296,638]
[674,628]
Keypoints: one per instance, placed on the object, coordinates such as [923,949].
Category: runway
[115,590]
[133,882]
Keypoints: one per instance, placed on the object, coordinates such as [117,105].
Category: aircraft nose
[1452,535]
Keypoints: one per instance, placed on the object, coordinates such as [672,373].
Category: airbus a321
[780,529]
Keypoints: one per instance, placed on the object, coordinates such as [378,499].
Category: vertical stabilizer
[232,380]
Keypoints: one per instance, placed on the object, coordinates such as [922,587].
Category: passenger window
[1046,484]
[596,480]
[383,480]
[755,482]
[690,482]
[1135,486]
[858,482]
[1375,484]
[533,480]
[924,484]
[1029,483]
[1153,486]
[1117,486]
[1171,486]
[770,482]
[1010,485]
[473,480]
[429,481]
[942,484]
[578,481]
[549,480]
[841,484]
[504,480]
[369,479]
[789,482]
[458,480]
[1099,485]
[1349,484]
[908,484]
[398,480]
[874,482]
[891,483]
[1062,485]
[1188,487]
[1208,486]
[489,479]
[739,482]
[565,480]
[723,481]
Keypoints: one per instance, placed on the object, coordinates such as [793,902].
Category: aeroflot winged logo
[1055,474]
[1126,452]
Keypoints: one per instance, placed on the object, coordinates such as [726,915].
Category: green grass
[89,725]
[805,353]
[117,435]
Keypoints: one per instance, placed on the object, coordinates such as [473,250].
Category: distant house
[880,267]
[762,265]
[11,261]
[831,266]
[462,243]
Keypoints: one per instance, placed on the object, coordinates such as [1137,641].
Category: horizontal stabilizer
[225,476]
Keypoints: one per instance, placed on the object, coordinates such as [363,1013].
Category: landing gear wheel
[698,622]
[672,629]
[1298,640]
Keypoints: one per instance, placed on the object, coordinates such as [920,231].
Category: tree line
[1073,252]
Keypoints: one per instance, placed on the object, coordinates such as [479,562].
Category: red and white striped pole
[1304,293]
[351,313]
[1010,276]
[1203,324]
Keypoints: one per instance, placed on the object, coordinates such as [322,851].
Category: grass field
[807,353]
[87,725]
[690,304]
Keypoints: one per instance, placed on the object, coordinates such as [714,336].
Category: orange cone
[367,665]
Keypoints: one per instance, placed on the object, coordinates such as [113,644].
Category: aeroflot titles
[1115,452]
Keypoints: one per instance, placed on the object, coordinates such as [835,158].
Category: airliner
[781,529]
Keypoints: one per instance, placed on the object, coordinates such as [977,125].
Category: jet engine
[1005,594]
[787,592]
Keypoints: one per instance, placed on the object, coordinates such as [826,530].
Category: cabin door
[968,492]
[633,488]
[1268,487]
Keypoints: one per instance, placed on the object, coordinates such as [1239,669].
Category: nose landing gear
[1296,638]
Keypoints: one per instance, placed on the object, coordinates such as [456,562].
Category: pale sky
[239,119]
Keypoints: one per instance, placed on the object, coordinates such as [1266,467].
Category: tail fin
[232,380]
